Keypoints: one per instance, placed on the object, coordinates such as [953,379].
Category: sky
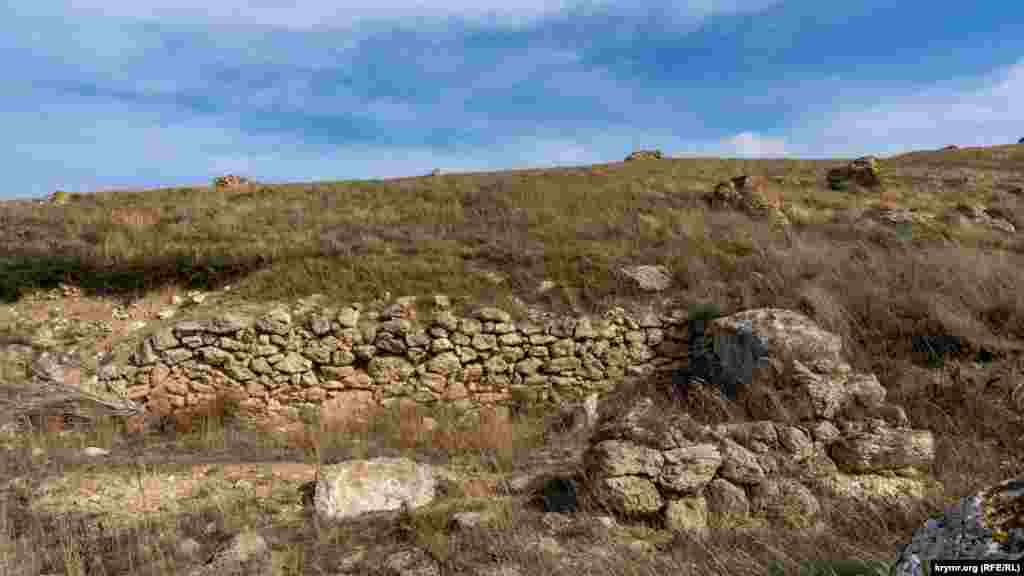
[116,94]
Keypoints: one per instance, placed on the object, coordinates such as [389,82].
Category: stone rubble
[840,438]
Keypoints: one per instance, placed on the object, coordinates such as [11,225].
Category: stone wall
[282,359]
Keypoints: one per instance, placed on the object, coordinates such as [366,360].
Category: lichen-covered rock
[648,278]
[785,501]
[756,466]
[277,321]
[355,487]
[888,490]
[58,198]
[986,526]
[689,469]
[688,514]
[877,447]
[864,171]
[740,465]
[728,505]
[792,355]
[629,496]
[794,440]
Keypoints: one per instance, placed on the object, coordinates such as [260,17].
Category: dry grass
[934,311]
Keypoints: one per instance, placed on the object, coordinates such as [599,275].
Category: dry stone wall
[286,358]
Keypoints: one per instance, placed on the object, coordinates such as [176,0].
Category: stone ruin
[814,426]
[810,425]
[279,360]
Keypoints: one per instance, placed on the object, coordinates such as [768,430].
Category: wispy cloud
[757,146]
[982,110]
[324,14]
[116,93]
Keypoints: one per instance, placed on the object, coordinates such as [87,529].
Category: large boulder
[648,278]
[986,526]
[799,362]
[863,171]
[355,487]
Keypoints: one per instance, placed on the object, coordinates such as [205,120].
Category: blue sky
[109,94]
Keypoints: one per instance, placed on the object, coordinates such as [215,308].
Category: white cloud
[972,111]
[90,144]
[750,144]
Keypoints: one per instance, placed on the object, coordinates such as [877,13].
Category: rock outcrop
[648,278]
[987,526]
[815,427]
[746,194]
[62,198]
[863,171]
[58,198]
[644,155]
[231,181]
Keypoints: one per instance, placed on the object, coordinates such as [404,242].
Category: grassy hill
[906,296]
[577,226]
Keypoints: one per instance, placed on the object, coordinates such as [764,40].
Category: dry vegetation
[910,301]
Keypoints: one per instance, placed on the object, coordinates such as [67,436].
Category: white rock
[354,487]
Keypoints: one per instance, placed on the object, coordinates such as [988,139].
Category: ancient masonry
[281,360]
